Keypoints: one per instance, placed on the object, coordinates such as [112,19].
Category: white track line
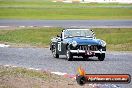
[4,45]
[59,73]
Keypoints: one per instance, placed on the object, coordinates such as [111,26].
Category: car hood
[83,40]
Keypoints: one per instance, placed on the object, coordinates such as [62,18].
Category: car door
[61,47]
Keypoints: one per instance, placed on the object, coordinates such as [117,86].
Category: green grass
[70,13]
[33,36]
[44,9]
[116,38]
[18,77]
[119,39]
[8,71]
[21,73]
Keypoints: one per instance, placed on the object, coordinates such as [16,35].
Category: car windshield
[78,33]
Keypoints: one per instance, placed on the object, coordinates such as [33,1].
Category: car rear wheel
[55,55]
[69,55]
[101,57]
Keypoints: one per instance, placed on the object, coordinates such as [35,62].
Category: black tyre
[81,80]
[69,55]
[101,57]
[55,55]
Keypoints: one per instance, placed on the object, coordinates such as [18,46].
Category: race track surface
[114,63]
[70,23]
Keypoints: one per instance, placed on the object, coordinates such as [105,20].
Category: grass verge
[118,39]
[23,78]
[45,9]
[70,13]
[32,36]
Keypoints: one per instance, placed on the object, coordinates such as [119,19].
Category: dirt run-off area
[23,78]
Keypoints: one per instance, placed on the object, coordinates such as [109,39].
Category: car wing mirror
[58,36]
[59,39]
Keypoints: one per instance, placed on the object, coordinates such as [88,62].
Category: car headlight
[74,43]
[103,43]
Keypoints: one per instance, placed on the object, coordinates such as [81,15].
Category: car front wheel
[101,57]
[69,55]
[55,55]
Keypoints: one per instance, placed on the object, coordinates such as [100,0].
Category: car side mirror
[59,39]
[58,36]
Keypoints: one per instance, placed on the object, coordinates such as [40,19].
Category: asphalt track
[114,63]
[69,23]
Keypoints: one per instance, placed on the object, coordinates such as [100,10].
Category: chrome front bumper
[84,51]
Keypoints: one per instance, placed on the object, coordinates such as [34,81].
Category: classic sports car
[78,42]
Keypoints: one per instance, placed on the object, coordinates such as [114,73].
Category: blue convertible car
[78,42]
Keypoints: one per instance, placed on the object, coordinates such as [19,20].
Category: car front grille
[86,47]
